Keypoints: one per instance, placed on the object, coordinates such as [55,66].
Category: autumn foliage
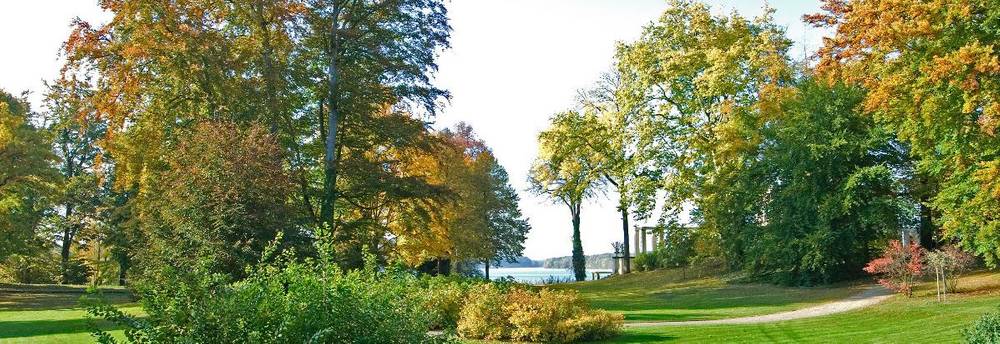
[898,267]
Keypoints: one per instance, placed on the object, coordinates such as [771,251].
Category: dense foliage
[795,172]
[986,330]
[300,302]
[932,71]
[899,266]
[522,314]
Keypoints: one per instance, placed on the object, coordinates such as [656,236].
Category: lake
[537,275]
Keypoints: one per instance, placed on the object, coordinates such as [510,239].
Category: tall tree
[343,85]
[374,53]
[931,70]
[27,178]
[76,133]
[625,152]
[697,79]
[565,172]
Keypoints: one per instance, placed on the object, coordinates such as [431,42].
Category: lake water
[537,275]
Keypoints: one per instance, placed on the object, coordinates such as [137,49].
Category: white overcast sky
[513,63]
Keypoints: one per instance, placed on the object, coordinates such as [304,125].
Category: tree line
[196,133]
[796,171]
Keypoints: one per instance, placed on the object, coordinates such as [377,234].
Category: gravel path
[870,296]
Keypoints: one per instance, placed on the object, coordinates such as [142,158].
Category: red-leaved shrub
[898,266]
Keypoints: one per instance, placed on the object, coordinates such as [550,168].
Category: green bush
[647,261]
[443,298]
[986,330]
[299,303]
[76,271]
[524,314]
[41,268]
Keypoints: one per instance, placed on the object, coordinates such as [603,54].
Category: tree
[76,133]
[508,228]
[931,70]
[27,179]
[342,85]
[825,185]
[476,219]
[564,171]
[621,143]
[222,201]
[374,53]
[697,79]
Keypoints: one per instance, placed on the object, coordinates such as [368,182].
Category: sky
[512,64]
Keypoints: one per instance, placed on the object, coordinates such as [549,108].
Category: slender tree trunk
[330,151]
[487,269]
[579,260]
[123,265]
[67,238]
[625,246]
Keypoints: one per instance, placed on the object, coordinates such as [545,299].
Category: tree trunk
[579,261]
[333,118]
[123,265]
[926,224]
[67,240]
[487,269]
[625,248]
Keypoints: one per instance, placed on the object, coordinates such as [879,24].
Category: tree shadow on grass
[641,338]
[22,301]
[31,328]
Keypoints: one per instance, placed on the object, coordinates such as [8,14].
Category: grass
[50,314]
[921,319]
[675,295]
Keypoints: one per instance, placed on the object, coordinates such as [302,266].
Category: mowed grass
[679,295]
[51,315]
[921,319]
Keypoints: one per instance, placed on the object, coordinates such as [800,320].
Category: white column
[643,231]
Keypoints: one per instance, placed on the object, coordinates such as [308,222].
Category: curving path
[870,296]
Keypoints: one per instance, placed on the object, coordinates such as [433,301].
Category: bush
[32,269]
[986,330]
[302,302]
[443,298]
[523,314]
[483,316]
[898,267]
[646,261]
[76,271]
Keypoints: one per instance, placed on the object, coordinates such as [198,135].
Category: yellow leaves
[988,177]
[8,124]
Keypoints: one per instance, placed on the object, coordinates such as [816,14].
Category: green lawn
[675,295]
[50,314]
[920,319]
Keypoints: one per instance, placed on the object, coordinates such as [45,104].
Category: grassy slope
[673,295]
[920,319]
[49,317]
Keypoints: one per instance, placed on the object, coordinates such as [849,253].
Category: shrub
[76,271]
[302,302]
[524,314]
[960,262]
[646,261]
[898,266]
[483,316]
[986,330]
[33,269]
[443,298]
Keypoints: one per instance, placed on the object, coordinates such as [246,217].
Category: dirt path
[870,296]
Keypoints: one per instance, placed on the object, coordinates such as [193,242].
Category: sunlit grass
[921,319]
[677,295]
[51,314]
